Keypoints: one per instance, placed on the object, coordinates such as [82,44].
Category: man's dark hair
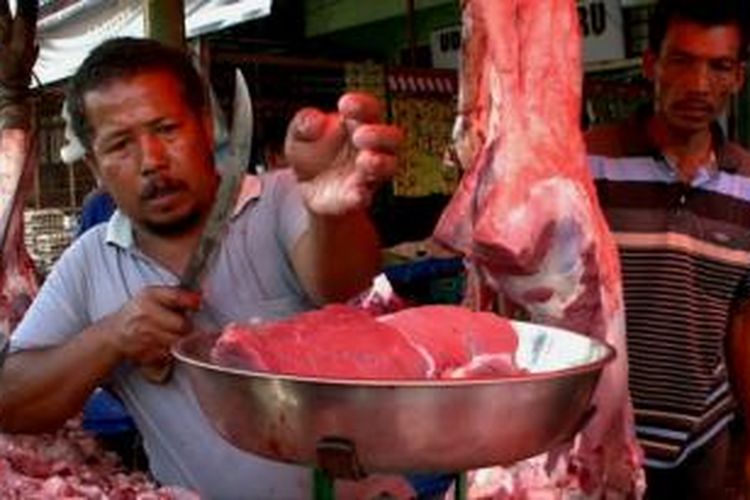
[122,58]
[706,13]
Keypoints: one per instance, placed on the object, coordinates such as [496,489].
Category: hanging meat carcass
[17,48]
[18,283]
[526,217]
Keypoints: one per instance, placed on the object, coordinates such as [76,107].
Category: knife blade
[231,156]
[240,142]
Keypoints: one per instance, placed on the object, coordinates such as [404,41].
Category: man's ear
[649,64]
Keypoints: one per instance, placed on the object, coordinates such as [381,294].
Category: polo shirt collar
[723,159]
[120,227]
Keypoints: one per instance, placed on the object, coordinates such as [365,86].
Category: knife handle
[158,373]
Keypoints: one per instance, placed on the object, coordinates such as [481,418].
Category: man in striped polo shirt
[677,198]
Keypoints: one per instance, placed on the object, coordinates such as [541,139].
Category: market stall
[495,211]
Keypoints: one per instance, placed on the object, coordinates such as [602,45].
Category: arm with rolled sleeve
[340,159]
[333,259]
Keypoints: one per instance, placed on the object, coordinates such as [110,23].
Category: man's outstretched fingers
[308,125]
[383,138]
[376,167]
[361,107]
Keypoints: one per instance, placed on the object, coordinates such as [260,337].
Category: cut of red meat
[343,342]
[454,336]
[337,341]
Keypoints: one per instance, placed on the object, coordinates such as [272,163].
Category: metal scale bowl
[349,428]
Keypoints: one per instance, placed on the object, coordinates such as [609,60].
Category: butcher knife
[232,165]
[240,143]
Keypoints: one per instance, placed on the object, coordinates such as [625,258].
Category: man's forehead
[144,81]
[160,92]
[117,108]
[721,40]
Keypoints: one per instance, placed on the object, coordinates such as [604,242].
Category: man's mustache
[694,104]
[160,186]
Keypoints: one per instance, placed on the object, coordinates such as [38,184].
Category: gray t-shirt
[251,276]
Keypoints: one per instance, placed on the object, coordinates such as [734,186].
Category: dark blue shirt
[98,207]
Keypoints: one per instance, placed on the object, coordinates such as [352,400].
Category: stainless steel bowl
[389,426]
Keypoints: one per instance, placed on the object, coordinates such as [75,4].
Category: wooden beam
[165,21]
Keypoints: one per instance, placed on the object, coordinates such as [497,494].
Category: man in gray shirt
[111,305]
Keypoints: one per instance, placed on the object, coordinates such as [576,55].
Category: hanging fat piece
[526,217]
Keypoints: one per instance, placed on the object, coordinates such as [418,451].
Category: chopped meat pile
[70,464]
[344,342]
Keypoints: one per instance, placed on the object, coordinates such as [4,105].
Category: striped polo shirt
[685,253]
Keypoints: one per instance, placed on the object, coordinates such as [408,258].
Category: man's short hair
[708,13]
[122,58]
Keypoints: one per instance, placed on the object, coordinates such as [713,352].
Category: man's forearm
[41,389]
[337,257]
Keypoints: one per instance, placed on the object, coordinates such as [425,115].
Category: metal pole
[323,486]
[462,486]
[165,21]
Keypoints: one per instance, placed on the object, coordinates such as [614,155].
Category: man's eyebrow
[112,136]
[681,52]
[159,120]
[692,55]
